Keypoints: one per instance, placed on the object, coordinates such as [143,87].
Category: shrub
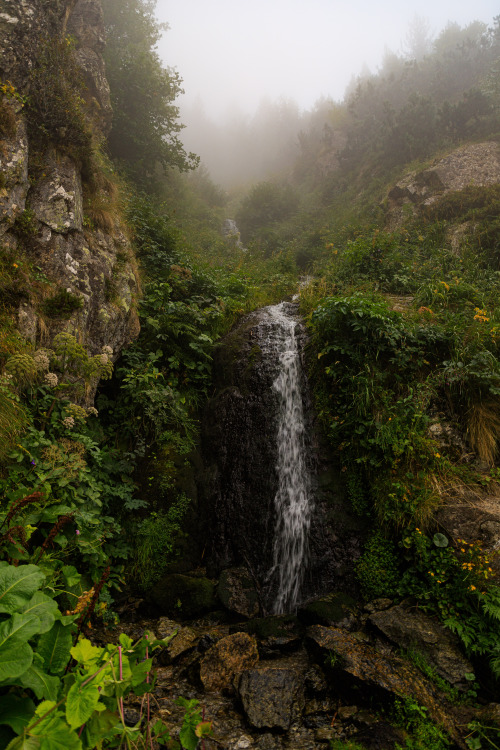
[378,568]
[61,305]
[56,108]
[156,543]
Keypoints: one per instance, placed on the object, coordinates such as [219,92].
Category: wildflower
[93,411]
[33,462]
[41,360]
[68,422]
[78,532]
[446,286]
[15,265]
[481,315]
[437,455]
[51,379]
[472,588]
[104,359]
[107,350]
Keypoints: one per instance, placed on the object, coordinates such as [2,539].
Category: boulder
[358,666]
[333,609]
[237,592]
[271,696]
[226,659]
[183,596]
[275,633]
[413,630]
[472,164]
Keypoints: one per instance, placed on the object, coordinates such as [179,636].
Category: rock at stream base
[358,664]
[333,609]
[413,630]
[237,592]
[226,659]
[271,696]
[183,596]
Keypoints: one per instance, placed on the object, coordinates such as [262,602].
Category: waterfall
[293,498]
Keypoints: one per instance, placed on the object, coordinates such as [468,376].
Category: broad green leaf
[16,654]
[43,607]
[203,729]
[16,712]
[125,641]
[71,575]
[188,738]
[42,684]
[14,662]
[54,648]
[24,743]
[440,540]
[140,671]
[55,734]
[98,727]
[81,703]
[85,653]
[17,586]
[18,629]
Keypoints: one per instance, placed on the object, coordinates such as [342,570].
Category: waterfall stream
[293,498]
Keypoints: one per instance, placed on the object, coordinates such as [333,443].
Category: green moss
[61,305]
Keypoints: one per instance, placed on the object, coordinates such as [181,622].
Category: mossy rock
[183,596]
[328,610]
[237,592]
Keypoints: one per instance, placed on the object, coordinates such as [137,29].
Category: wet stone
[227,658]
[271,696]
[237,592]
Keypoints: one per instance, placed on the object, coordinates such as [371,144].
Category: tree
[144,135]
[418,42]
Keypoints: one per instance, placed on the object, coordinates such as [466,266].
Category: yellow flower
[472,588]
[437,455]
[15,265]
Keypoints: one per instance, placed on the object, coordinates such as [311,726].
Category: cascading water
[293,499]
[268,489]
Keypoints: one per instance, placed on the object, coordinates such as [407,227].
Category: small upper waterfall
[293,499]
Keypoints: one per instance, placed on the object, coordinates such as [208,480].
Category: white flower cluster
[51,379]
[104,359]
[107,350]
[41,360]
[68,422]
[92,411]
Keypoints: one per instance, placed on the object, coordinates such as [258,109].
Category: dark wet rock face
[183,596]
[227,659]
[241,478]
[271,696]
[412,630]
[237,592]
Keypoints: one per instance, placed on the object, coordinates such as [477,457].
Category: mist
[256,74]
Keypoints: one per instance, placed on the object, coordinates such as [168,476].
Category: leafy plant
[80,688]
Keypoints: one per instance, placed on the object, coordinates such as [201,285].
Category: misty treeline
[434,93]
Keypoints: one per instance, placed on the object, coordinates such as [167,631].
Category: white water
[293,498]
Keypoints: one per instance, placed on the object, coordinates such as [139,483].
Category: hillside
[144,364]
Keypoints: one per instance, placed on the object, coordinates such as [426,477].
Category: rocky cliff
[59,212]
[473,164]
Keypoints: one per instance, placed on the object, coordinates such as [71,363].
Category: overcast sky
[233,53]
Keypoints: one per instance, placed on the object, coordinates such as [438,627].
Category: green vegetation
[145,131]
[404,338]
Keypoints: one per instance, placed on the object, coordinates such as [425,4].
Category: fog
[236,56]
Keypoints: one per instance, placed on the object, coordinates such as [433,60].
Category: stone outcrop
[474,164]
[226,659]
[411,629]
[271,696]
[358,665]
[43,192]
